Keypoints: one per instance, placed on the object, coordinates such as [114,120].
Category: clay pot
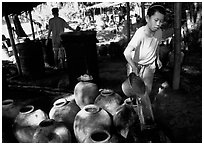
[108,100]
[124,118]
[50,131]
[26,123]
[90,119]
[133,86]
[85,91]
[64,111]
[128,101]
[9,109]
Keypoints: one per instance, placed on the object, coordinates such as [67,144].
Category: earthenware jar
[85,91]
[9,109]
[51,131]
[108,100]
[90,119]
[26,123]
[64,111]
[124,118]
[128,101]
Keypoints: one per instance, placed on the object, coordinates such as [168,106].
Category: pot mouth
[100,136]
[85,78]
[128,101]
[60,102]
[27,109]
[7,102]
[46,123]
[92,108]
[107,92]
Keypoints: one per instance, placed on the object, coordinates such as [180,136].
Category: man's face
[155,21]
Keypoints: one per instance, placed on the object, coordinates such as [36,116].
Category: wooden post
[143,10]
[13,44]
[177,45]
[128,21]
[31,22]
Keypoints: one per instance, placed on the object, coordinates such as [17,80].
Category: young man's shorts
[60,51]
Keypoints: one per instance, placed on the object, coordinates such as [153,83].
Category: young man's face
[155,21]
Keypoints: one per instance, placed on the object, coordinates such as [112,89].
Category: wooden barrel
[31,58]
[81,54]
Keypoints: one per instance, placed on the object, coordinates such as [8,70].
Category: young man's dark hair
[155,8]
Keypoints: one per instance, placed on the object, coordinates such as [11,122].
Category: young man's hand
[159,63]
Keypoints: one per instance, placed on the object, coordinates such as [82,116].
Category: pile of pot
[93,116]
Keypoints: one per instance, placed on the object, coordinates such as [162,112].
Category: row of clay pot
[91,116]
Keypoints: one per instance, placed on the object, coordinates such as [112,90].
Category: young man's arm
[132,46]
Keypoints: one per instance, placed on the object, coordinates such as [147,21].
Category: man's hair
[55,10]
[155,8]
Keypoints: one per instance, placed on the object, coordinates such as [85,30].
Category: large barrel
[31,58]
[81,54]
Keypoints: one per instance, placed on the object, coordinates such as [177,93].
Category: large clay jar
[51,131]
[124,119]
[9,112]
[108,100]
[90,119]
[9,109]
[65,111]
[27,122]
[85,91]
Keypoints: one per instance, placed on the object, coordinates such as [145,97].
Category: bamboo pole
[31,22]
[177,45]
[13,44]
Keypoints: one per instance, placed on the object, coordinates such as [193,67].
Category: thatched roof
[17,7]
[104,5]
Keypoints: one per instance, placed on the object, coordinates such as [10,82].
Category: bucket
[31,58]
[133,86]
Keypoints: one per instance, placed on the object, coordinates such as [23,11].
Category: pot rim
[46,122]
[91,108]
[107,92]
[30,107]
[100,131]
[60,102]
[7,102]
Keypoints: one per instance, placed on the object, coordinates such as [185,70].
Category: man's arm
[67,26]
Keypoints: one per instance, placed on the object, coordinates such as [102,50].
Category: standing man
[57,26]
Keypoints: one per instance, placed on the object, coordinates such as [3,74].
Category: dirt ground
[178,113]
